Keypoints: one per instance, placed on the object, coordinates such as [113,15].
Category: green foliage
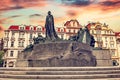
[1,55]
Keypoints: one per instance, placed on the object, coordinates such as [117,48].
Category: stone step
[60,72]
[59,68]
[92,76]
[62,79]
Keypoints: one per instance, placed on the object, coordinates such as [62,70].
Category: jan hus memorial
[51,51]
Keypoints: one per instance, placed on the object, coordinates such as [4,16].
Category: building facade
[18,37]
[118,45]
[105,38]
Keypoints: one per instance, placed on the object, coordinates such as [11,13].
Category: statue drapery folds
[50,30]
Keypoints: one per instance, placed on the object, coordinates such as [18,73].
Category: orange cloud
[110,5]
[19,4]
[72,13]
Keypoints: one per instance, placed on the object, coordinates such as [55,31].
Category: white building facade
[105,38]
[118,45]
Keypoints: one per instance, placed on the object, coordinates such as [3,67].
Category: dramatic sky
[33,12]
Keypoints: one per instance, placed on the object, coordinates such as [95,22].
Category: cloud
[8,20]
[20,4]
[110,3]
[78,2]
[72,13]
[34,15]
[14,16]
[1,28]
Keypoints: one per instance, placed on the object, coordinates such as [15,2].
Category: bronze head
[49,12]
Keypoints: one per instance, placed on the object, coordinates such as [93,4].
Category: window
[6,34]
[19,52]
[106,44]
[74,31]
[112,45]
[98,31]
[31,36]
[6,43]
[69,30]
[21,35]
[92,31]
[12,44]
[21,28]
[106,39]
[38,29]
[31,28]
[19,44]
[22,44]
[13,34]
[11,54]
[61,30]
[111,38]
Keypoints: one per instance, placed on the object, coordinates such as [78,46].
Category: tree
[1,60]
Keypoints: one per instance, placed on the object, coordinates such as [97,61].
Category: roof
[98,25]
[14,27]
[117,33]
[24,27]
[72,23]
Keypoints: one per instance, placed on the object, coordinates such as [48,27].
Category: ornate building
[118,45]
[17,37]
[70,28]
[105,38]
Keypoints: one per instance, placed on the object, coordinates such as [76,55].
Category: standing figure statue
[50,30]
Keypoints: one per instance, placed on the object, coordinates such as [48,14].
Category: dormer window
[21,28]
[38,29]
[61,30]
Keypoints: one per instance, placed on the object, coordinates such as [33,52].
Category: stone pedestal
[57,54]
[103,57]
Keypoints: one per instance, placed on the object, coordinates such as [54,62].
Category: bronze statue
[84,36]
[50,30]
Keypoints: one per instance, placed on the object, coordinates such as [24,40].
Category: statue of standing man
[50,30]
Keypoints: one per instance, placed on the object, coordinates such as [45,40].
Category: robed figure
[50,30]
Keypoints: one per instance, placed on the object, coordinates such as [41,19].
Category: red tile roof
[117,33]
[27,28]
[14,27]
